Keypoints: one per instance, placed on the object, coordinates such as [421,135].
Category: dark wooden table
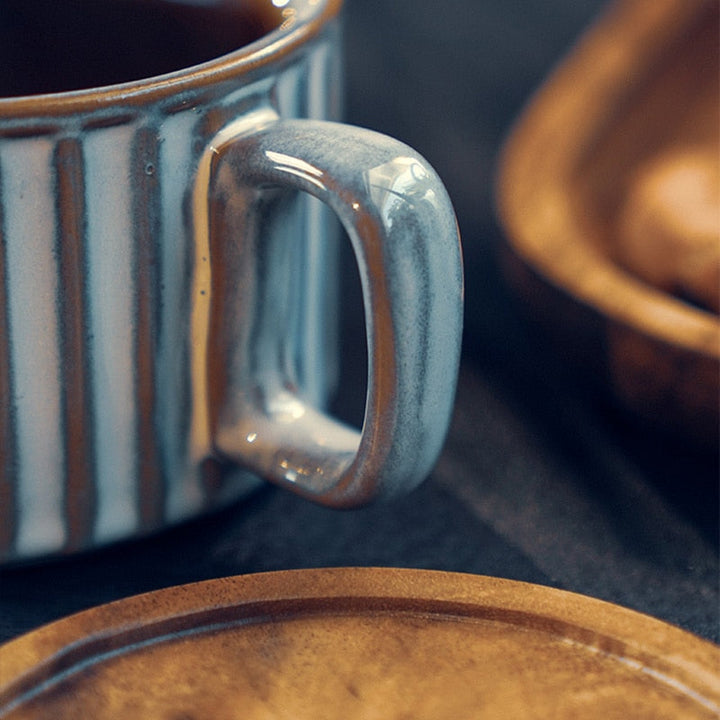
[538,480]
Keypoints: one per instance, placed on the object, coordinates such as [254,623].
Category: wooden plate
[605,162]
[365,643]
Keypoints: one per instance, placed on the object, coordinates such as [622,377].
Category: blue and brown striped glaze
[96,254]
[166,296]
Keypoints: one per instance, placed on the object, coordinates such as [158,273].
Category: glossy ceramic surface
[166,300]
[399,220]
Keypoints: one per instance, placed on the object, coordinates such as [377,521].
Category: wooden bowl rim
[534,184]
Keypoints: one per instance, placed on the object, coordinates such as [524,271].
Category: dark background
[538,480]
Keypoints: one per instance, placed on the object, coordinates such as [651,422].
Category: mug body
[97,255]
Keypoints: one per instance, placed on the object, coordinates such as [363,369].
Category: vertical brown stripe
[146,220]
[74,361]
[8,476]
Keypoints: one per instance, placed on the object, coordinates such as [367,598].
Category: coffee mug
[168,279]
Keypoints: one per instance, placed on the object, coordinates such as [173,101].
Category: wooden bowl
[604,185]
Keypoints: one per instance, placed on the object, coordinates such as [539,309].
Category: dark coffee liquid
[57,45]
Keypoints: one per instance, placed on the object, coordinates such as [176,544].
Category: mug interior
[62,46]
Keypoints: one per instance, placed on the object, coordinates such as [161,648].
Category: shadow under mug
[168,291]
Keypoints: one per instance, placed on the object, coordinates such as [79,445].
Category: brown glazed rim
[268,49]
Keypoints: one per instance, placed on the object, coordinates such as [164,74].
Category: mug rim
[269,48]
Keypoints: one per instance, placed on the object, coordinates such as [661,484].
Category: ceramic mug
[166,276]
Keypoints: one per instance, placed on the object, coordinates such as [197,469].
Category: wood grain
[361,642]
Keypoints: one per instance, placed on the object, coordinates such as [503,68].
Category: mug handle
[405,238]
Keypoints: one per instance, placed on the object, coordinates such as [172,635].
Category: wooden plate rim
[666,653]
